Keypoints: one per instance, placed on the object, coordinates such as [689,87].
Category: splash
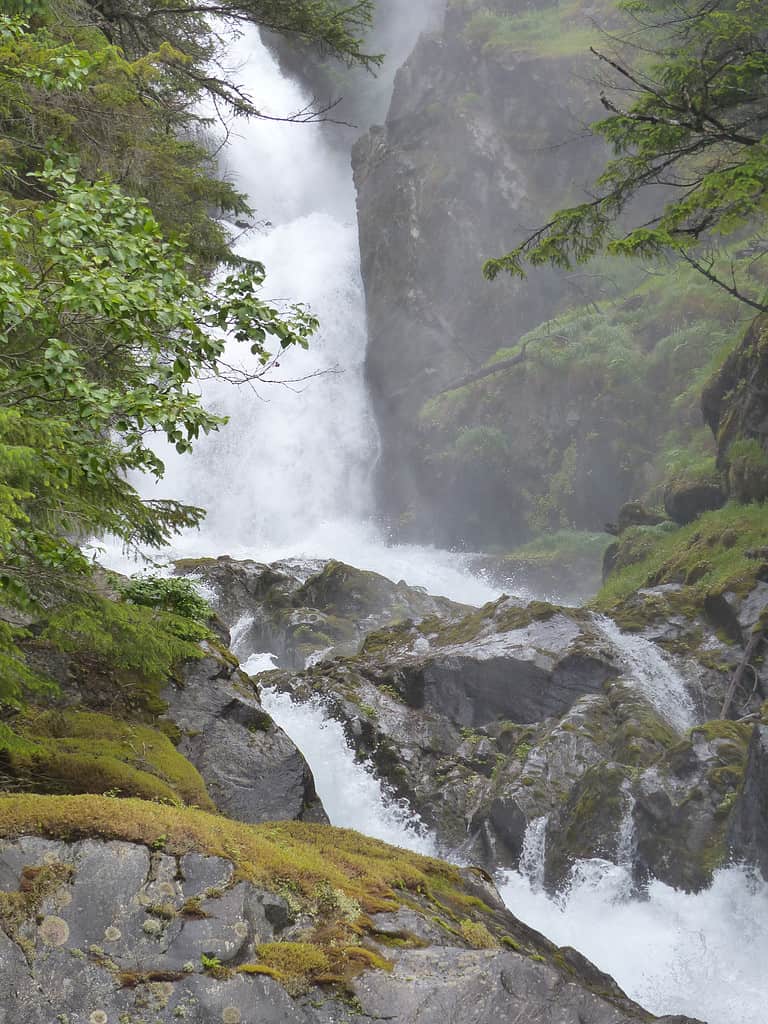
[700,954]
[352,797]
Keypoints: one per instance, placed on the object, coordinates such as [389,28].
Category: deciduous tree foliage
[689,114]
[108,308]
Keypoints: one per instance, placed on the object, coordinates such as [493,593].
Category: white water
[702,955]
[352,797]
[290,476]
[648,669]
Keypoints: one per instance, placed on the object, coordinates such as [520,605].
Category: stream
[290,476]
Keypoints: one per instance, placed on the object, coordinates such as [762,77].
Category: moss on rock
[73,751]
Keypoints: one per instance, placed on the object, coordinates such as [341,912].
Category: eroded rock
[298,608]
[76,948]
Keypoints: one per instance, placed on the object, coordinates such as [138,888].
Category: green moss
[708,557]
[272,855]
[561,546]
[476,935]
[85,752]
[549,31]
[496,616]
[293,959]
[385,641]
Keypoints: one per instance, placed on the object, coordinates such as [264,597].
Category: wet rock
[634,513]
[298,608]
[252,770]
[516,715]
[483,986]
[748,827]
[490,723]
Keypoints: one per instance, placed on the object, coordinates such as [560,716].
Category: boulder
[298,608]
[252,770]
[685,500]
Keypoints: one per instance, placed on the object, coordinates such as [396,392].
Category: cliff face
[735,406]
[463,165]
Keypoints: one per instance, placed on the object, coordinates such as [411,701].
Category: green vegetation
[561,546]
[109,195]
[174,595]
[697,91]
[708,557]
[560,30]
[85,752]
[332,878]
[605,403]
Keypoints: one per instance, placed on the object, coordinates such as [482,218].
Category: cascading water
[360,803]
[289,477]
[700,954]
[652,674]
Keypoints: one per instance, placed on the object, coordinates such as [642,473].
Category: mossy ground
[295,855]
[75,751]
[332,877]
[709,557]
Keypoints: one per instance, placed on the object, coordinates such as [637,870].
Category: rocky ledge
[123,911]
[299,608]
[514,720]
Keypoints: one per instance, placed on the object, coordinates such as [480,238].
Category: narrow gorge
[454,707]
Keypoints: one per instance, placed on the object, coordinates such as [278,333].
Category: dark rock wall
[464,165]
[735,406]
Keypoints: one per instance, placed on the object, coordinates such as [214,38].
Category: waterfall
[289,476]
[533,853]
[358,801]
[625,840]
[646,668]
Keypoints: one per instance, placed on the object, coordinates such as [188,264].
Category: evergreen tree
[689,118]
[108,310]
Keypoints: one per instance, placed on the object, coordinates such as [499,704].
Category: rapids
[290,476]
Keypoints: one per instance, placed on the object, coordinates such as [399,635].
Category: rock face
[685,502]
[748,832]
[298,607]
[735,407]
[252,770]
[461,167]
[521,715]
[97,932]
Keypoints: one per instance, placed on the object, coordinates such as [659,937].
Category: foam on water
[700,954]
[351,795]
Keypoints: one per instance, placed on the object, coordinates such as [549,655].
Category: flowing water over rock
[290,477]
[652,673]
[352,797]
